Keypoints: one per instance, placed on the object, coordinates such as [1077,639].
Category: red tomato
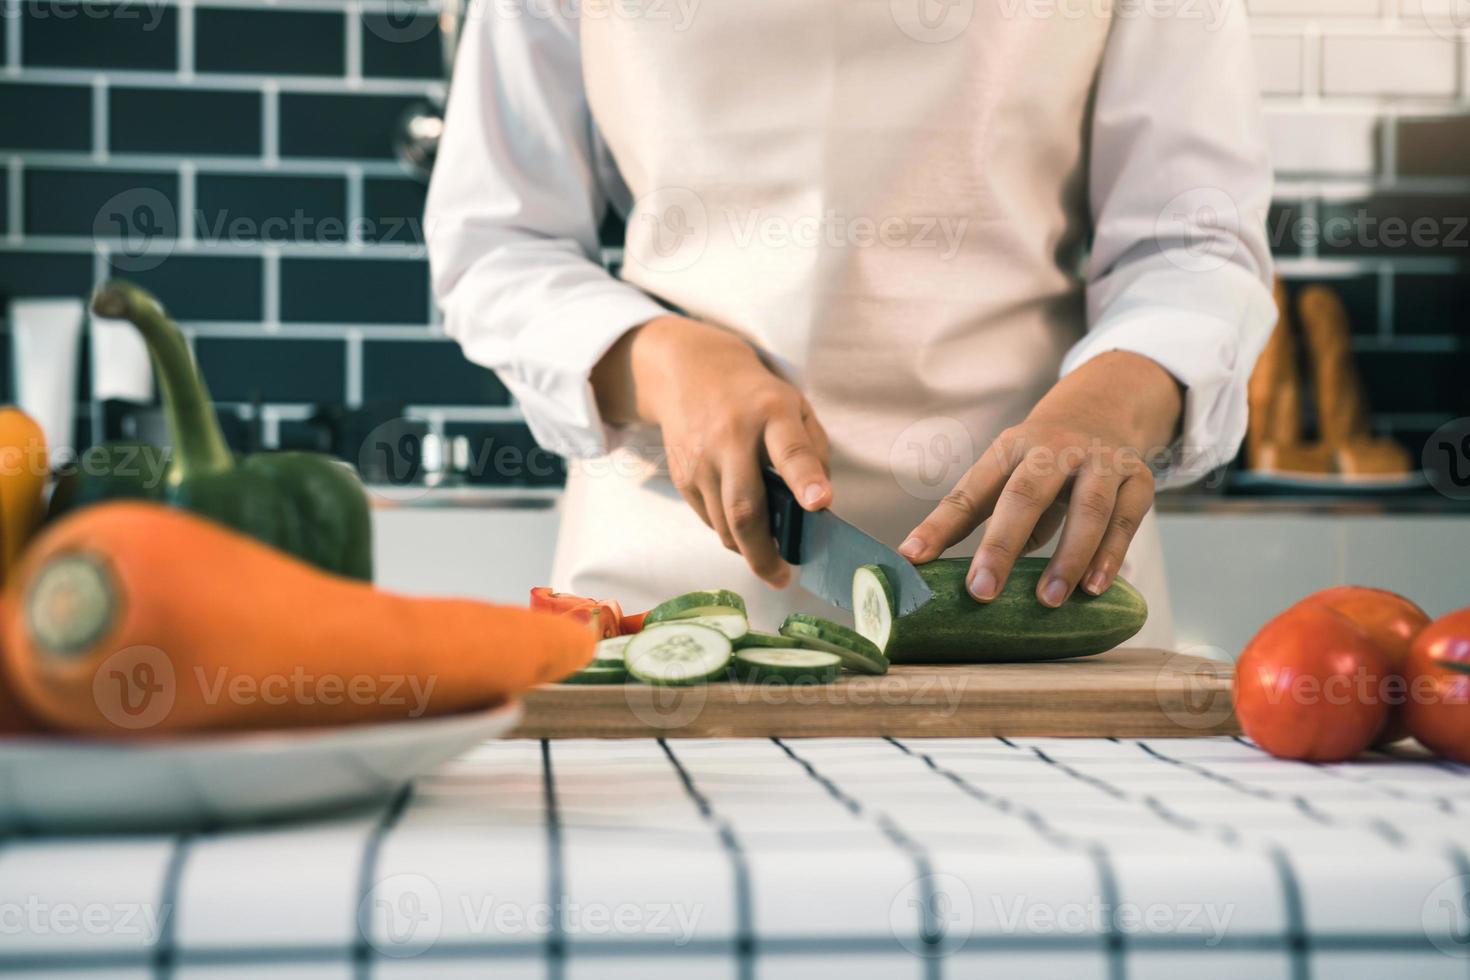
[632,622]
[1390,620]
[1438,707]
[1310,684]
[542,597]
[604,615]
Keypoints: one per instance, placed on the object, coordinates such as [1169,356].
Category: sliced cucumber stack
[755,638]
[731,622]
[787,665]
[713,602]
[856,651]
[873,605]
[609,652]
[597,673]
[678,653]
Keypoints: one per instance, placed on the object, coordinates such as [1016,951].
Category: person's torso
[888,197]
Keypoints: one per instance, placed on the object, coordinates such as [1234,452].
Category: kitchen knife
[827,550]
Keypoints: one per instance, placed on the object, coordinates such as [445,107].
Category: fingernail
[812,494]
[1054,592]
[982,584]
[911,547]
[1095,582]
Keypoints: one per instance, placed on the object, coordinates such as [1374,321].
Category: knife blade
[827,550]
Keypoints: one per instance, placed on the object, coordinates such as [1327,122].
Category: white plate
[51,785]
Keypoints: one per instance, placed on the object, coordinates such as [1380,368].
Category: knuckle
[998,549]
[961,499]
[770,401]
[743,515]
[1125,524]
[1024,490]
[794,452]
[1095,504]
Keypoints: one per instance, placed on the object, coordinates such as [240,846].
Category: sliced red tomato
[605,615]
[632,622]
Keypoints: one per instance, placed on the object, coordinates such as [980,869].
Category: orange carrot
[14,720]
[23,472]
[133,618]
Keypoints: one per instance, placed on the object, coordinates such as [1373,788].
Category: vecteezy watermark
[403,21]
[937,914]
[1445,916]
[1450,19]
[404,915]
[149,13]
[1212,12]
[139,228]
[1018,914]
[671,228]
[933,915]
[668,230]
[932,21]
[929,456]
[1360,229]
[1198,229]
[136,229]
[1195,695]
[677,14]
[34,917]
[138,688]
[1446,459]
[942,234]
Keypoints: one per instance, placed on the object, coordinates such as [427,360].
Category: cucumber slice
[678,653]
[755,638]
[714,602]
[609,652]
[789,665]
[856,651]
[731,622]
[598,674]
[873,605]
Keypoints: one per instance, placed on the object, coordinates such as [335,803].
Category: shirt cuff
[1207,331]
[550,375]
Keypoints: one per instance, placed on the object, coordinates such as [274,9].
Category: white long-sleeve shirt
[522,181]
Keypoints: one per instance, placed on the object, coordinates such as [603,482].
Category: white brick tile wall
[1389,66]
[1279,63]
[1322,141]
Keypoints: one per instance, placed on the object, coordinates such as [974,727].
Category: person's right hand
[723,413]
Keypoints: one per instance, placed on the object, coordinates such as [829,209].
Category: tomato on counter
[1310,685]
[1391,621]
[1437,710]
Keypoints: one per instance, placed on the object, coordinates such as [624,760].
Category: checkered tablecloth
[763,858]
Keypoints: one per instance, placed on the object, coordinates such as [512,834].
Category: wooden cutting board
[1126,693]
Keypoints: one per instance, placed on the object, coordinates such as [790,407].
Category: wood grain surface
[1125,693]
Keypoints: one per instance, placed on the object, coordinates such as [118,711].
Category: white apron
[890,206]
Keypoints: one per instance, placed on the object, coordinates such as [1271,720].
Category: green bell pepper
[307,504]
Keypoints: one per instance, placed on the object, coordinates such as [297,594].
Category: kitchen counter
[474,497]
[764,858]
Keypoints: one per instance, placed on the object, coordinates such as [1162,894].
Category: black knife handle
[785,516]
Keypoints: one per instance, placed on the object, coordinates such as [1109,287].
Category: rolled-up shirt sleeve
[1179,184]
[512,217]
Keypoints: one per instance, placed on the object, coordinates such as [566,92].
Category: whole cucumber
[1014,626]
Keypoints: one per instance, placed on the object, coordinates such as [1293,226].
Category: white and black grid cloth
[767,858]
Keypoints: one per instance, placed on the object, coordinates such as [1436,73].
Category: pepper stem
[198,444]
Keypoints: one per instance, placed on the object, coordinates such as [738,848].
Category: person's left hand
[1079,457]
